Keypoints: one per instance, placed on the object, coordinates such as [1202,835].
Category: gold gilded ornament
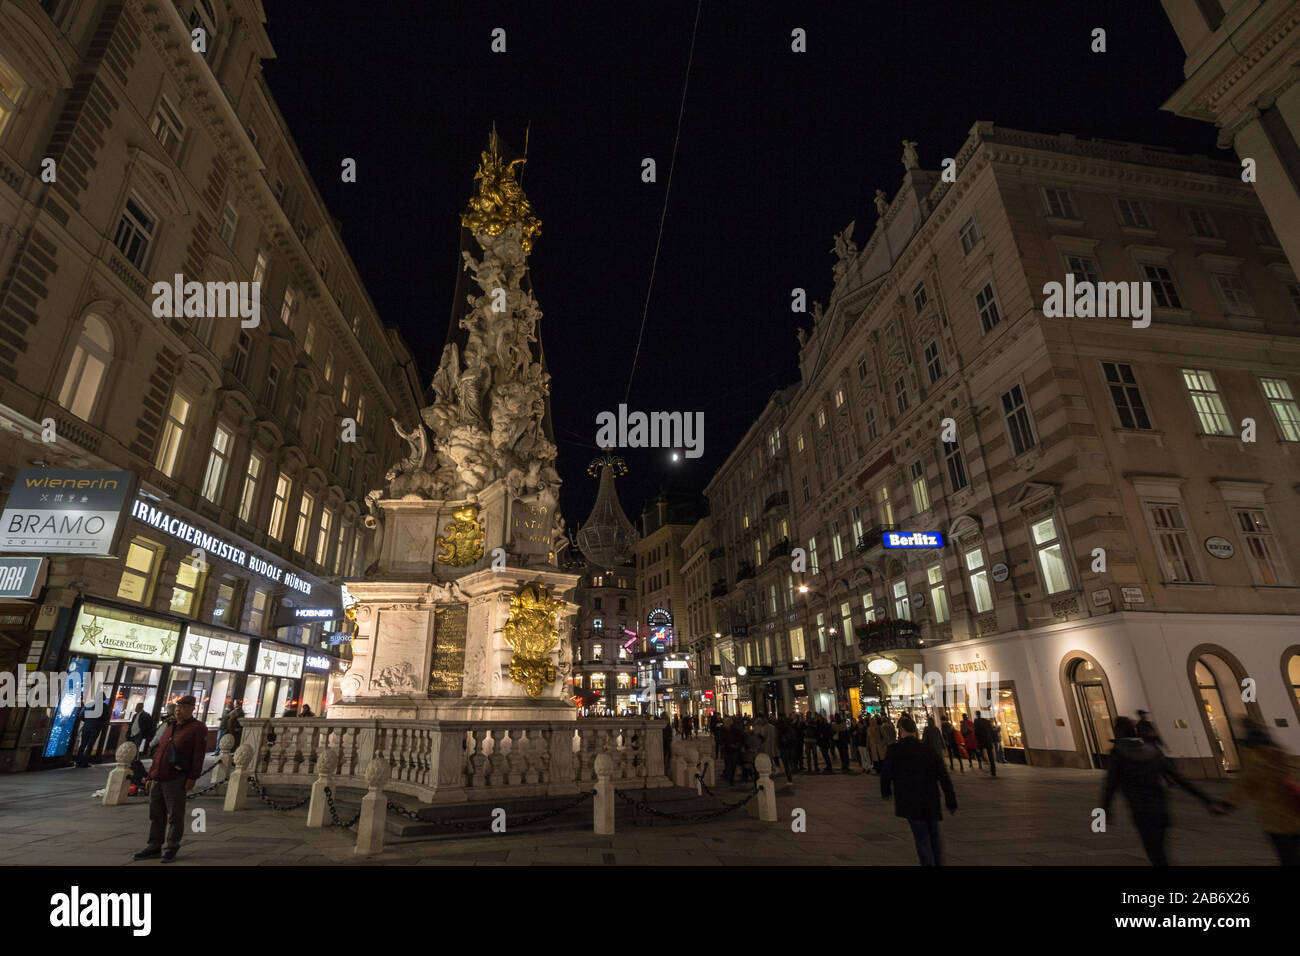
[532,635]
[462,540]
[500,202]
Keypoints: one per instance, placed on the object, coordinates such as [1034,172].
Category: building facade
[1241,75]
[1062,519]
[605,632]
[660,655]
[141,150]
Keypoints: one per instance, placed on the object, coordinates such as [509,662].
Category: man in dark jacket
[177,766]
[933,737]
[94,722]
[1139,771]
[824,738]
[1147,730]
[733,743]
[984,737]
[916,773]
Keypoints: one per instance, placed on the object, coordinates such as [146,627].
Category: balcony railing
[873,537]
[719,589]
[776,498]
[880,637]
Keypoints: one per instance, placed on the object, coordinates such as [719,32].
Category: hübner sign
[67,512]
[179,528]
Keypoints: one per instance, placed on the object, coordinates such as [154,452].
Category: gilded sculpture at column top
[532,634]
[462,539]
[500,201]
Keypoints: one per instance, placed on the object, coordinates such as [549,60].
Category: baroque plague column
[461,614]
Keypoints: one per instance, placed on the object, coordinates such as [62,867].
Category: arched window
[1291,674]
[88,368]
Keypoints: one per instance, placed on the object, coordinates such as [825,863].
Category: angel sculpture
[418,440]
[444,380]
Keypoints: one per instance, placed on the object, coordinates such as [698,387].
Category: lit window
[248,496]
[902,603]
[1173,544]
[12,88]
[821,633]
[134,232]
[856,517]
[1126,395]
[226,611]
[955,464]
[173,431]
[812,556]
[1208,403]
[188,592]
[1017,417]
[969,236]
[839,397]
[1285,412]
[1060,204]
[280,506]
[1262,553]
[323,539]
[821,418]
[1132,214]
[798,651]
[259,267]
[347,388]
[837,548]
[139,570]
[329,368]
[869,606]
[88,368]
[214,479]
[978,576]
[306,505]
[846,619]
[229,223]
[920,491]
[884,509]
[257,614]
[938,594]
[309,342]
[986,304]
[1163,290]
[1051,556]
[287,307]
[167,126]
[361,410]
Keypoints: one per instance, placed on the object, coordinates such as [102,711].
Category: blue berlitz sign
[913,539]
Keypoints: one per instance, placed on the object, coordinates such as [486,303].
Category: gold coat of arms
[462,540]
[532,635]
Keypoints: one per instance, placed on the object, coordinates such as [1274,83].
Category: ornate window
[88,368]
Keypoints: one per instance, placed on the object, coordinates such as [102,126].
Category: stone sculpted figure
[910,160]
[882,204]
[845,250]
[418,440]
[444,380]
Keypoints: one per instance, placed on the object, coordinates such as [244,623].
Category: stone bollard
[766,790]
[604,812]
[690,765]
[119,777]
[374,809]
[225,758]
[326,764]
[237,789]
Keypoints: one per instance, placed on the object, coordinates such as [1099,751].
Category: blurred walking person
[915,773]
[983,728]
[1266,780]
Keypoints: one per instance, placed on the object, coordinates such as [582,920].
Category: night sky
[778,151]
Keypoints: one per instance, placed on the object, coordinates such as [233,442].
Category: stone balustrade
[441,761]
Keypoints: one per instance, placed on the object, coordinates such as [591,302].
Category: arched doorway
[1217,685]
[1096,712]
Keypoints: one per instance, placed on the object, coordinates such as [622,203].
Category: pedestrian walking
[953,742]
[876,744]
[969,742]
[668,739]
[997,738]
[177,766]
[753,747]
[933,736]
[715,728]
[1139,771]
[733,743]
[915,773]
[1147,730]
[140,730]
[790,740]
[888,734]
[983,731]
[824,739]
[94,721]
[840,734]
[810,745]
[1268,782]
[859,737]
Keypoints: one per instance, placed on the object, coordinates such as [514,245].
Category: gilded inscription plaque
[447,672]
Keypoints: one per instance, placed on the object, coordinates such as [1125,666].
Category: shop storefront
[316,682]
[276,681]
[799,689]
[211,666]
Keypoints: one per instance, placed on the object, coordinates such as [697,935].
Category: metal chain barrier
[334,814]
[210,787]
[479,827]
[282,808]
[696,817]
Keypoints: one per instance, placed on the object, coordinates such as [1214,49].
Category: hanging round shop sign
[1220,547]
[1000,572]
